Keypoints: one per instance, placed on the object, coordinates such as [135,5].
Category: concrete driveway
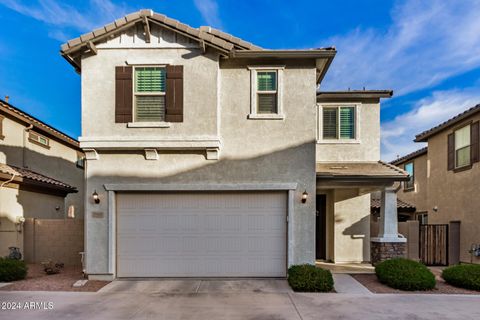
[234,299]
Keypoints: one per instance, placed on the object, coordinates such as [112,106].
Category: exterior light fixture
[96,199]
[19,222]
[304,196]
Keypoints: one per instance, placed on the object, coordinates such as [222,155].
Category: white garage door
[201,234]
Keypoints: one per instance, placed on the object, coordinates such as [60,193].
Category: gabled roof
[29,177]
[409,156]
[42,127]
[229,46]
[423,137]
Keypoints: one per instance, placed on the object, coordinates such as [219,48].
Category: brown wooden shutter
[174,94]
[474,141]
[451,151]
[123,94]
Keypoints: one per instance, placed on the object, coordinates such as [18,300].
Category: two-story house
[205,154]
[445,181]
[41,177]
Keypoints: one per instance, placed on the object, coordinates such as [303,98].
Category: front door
[321,228]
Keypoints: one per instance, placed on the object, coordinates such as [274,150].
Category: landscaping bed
[373,284]
[37,280]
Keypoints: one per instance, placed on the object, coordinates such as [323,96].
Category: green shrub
[11,270]
[464,276]
[308,278]
[405,274]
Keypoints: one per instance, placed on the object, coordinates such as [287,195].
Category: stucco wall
[252,151]
[454,193]
[367,145]
[418,196]
[58,162]
[14,203]
[351,226]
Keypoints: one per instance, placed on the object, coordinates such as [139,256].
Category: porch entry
[434,244]
[321,227]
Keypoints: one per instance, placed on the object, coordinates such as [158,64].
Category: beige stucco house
[41,175]
[445,181]
[210,156]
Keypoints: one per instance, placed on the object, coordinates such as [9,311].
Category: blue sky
[428,52]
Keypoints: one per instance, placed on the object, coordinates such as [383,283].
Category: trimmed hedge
[465,276]
[11,270]
[308,278]
[404,274]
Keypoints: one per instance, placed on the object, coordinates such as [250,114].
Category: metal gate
[434,244]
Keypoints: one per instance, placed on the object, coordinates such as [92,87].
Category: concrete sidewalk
[345,283]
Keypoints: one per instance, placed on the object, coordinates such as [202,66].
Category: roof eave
[285,54]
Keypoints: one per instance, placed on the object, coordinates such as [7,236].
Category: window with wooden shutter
[451,152]
[266,92]
[123,94]
[338,122]
[174,94]
[475,142]
[150,88]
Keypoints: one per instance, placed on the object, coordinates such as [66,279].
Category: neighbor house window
[422,218]
[1,127]
[150,83]
[80,161]
[338,122]
[462,147]
[266,92]
[408,185]
[38,139]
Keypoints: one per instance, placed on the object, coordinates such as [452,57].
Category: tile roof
[355,94]
[375,203]
[242,44]
[36,177]
[423,137]
[7,108]
[410,156]
[368,169]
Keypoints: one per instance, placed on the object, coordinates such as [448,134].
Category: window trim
[35,141]
[2,136]
[357,111]
[412,187]
[146,124]
[469,165]
[279,115]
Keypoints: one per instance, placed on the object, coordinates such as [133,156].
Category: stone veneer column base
[381,251]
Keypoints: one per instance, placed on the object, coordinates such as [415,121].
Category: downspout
[26,130]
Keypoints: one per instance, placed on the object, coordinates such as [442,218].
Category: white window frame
[357,130]
[405,183]
[279,115]
[145,124]
[469,126]
[36,138]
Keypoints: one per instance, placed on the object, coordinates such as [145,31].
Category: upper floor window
[149,91]
[408,185]
[1,127]
[462,147]
[266,98]
[38,139]
[338,122]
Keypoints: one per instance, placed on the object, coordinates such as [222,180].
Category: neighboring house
[405,210]
[41,174]
[209,156]
[415,190]
[446,181]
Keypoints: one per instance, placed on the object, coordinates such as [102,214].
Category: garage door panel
[201,234]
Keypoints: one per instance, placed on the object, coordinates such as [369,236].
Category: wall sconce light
[96,199]
[435,209]
[19,221]
[304,196]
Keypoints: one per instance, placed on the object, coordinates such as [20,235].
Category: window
[80,161]
[1,127]
[266,92]
[149,87]
[339,122]
[38,139]
[422,218]
[410,184]
[462,147]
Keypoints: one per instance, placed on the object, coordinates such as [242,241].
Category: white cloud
[60,16]
[427,42]
[398,134]
[209,11]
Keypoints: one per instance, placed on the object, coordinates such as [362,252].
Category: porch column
[388,244]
